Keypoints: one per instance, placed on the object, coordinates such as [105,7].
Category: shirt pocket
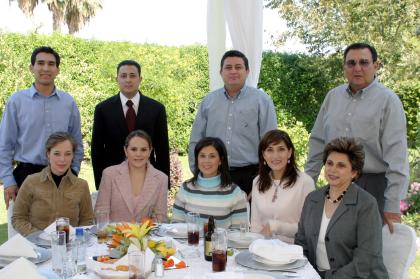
[248,119]
[42,205]
[72,203]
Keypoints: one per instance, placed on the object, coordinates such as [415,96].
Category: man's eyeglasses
[362,62]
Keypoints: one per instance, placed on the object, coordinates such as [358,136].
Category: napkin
[224,275]
[149,258]
[177,228]
[20,268]
[18,246]
[80,276]
[276,250]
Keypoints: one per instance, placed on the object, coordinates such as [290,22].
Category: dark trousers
[22,170]
[375,184]
[243,176]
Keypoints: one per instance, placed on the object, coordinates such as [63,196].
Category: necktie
[130,116]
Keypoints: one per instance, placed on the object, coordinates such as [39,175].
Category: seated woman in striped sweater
[210,191]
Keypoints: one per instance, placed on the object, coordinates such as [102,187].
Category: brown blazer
[115,194]
[39,202]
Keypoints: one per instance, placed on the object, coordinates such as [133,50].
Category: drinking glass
[243,228]
[63,224]
[219,242]
[101,221]
[136,265]
[193,228]
[58,251]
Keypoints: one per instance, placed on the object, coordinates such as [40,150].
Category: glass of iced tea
[62,224]
[219,242]
[193,228]
[101,222]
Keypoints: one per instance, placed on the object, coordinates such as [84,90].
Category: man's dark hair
[45,49]
[234,53]
[129,63]
[361,46]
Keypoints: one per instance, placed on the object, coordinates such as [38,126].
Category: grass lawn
[87,174]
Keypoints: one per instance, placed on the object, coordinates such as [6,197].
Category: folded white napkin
[20,268]
[275,250]
[177,228]
[149,258]
[224,275]
[18,246]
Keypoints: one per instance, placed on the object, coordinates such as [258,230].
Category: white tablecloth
[197,266]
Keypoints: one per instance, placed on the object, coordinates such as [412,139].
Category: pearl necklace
[340,197]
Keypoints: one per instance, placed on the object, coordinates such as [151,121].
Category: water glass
[193,228]
[101,221]
[219,242]
[136,265]
[63,262]
[243,228]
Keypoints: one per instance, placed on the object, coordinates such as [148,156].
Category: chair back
[398,250]
[93,197]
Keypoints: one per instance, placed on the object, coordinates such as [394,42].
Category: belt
[249,167]
[29,165]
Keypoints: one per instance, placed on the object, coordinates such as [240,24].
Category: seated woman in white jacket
[279,190]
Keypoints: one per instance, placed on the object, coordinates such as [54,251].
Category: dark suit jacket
[354,234]
[110,130]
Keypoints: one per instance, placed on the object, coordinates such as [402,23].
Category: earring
[265,163]
[288,161]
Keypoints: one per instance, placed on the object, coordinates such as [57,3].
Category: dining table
[197,266]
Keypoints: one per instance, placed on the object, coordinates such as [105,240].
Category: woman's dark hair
[221,150]
[138,133]
[351,148]
[291,172]
[58,137]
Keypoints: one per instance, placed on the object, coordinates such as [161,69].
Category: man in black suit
[112,124]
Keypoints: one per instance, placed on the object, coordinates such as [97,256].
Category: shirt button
[230,114]
[228,142]
[347,129]
[232,102]
[228,128]
[349,113]
[354,100]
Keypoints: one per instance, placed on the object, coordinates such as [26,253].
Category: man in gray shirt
[239,115]
[367,110]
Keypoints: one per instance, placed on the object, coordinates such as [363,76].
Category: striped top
[227,205]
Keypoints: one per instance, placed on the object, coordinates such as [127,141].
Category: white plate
[43,255]
[271,262]
[257,276]
[243,239]
[175,230]
[245,258]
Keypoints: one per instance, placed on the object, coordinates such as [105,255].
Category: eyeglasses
[364,63]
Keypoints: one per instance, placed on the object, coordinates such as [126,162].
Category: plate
[43,255]
[243,239]
[270,262]
[245,258]
[36,239]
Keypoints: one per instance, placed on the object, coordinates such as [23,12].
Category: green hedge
[178,77]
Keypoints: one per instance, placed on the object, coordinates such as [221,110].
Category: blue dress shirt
[29,118]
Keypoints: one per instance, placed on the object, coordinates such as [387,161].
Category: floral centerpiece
[124,234]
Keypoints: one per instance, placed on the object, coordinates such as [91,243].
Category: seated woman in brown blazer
[134,189]
[53,192]
[340,228]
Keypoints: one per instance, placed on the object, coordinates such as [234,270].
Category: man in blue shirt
[239,115]
[30,117]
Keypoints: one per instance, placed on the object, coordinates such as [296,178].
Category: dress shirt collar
[33,92]
[135,99]
[241,92]
[361,91]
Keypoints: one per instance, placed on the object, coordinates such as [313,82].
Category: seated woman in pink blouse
[134,189]
[280,189]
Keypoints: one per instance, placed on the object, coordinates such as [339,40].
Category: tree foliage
[74,13]
[328,26]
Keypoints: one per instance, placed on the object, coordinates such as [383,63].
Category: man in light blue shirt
[30,117]
[237,114]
